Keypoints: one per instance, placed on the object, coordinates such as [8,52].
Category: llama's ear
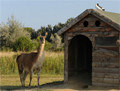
[46,34]
[40,36]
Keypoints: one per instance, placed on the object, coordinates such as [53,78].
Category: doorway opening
[80,60]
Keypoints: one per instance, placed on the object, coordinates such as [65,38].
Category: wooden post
[65,58]
[76,57]
[119,62]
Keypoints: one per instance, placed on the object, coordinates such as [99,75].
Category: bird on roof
[99,7]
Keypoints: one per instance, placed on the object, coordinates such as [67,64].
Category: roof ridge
[108,17]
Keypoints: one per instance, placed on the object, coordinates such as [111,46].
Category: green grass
[53,64]
[12,82]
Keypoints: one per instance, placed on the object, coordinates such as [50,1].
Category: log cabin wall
[105,52]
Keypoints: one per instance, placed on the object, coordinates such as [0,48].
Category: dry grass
[3,54]
[51,54]
[47,53]
[12,82]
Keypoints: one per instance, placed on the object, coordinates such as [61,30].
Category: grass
[12,82]
[52,71]
[53,63]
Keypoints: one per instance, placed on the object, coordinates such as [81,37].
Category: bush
[35,44]
[7,49]
[23,44]
[48,46]
[57,44]
[11,31]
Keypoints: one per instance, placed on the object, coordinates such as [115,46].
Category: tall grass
[53,64]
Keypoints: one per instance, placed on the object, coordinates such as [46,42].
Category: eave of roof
[113,19]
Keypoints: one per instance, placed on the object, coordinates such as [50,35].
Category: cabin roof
[113,19]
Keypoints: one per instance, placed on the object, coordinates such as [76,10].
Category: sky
[37,13]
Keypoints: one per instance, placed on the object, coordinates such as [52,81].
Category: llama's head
[42,39]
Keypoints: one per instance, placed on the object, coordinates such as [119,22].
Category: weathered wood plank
[65,58]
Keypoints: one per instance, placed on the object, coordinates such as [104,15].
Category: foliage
[8,65]
[69,20]
[53,64]
[48,46]
[56,41]
[35,44]
[32,32]
[6,49]
[11,31]
[44,29]
[23,44]
[52,30]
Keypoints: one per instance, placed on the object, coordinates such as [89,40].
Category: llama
[29,62]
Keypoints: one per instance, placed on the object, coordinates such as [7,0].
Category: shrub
[23,44]
[8,49]
[57,44]
[35,44]
[11,31]
[48,46]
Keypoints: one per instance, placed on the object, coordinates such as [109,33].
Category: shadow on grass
[47,85]
[15,87]
[57,85]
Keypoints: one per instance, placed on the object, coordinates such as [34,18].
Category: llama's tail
[17,59]
[20,66]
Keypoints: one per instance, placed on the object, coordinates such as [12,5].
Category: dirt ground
[76,83]
[80,82]
[60,86]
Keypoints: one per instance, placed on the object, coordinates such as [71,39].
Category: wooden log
[108,80]
[95,79]
[116,81]
[66,59]
[98,75]
[105,70]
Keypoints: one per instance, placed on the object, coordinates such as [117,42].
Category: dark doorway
[80,59]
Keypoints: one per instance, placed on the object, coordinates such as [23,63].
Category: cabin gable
[90,23]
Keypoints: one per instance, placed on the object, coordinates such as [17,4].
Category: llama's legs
[24,78]
[21,79]
[20,69]
[31,72]
[38,77]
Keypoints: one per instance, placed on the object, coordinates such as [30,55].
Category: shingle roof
[113,19]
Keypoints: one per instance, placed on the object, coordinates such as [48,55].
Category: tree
[69,20]
[52,30]
[11,31]
[56,41]
[23,44]
[32,32]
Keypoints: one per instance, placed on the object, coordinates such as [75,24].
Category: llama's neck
[40,50]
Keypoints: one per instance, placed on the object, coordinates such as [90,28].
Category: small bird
[99,7]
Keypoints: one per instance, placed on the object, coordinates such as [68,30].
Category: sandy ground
[77,83]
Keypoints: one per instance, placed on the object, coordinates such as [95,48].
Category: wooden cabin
[91,48]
